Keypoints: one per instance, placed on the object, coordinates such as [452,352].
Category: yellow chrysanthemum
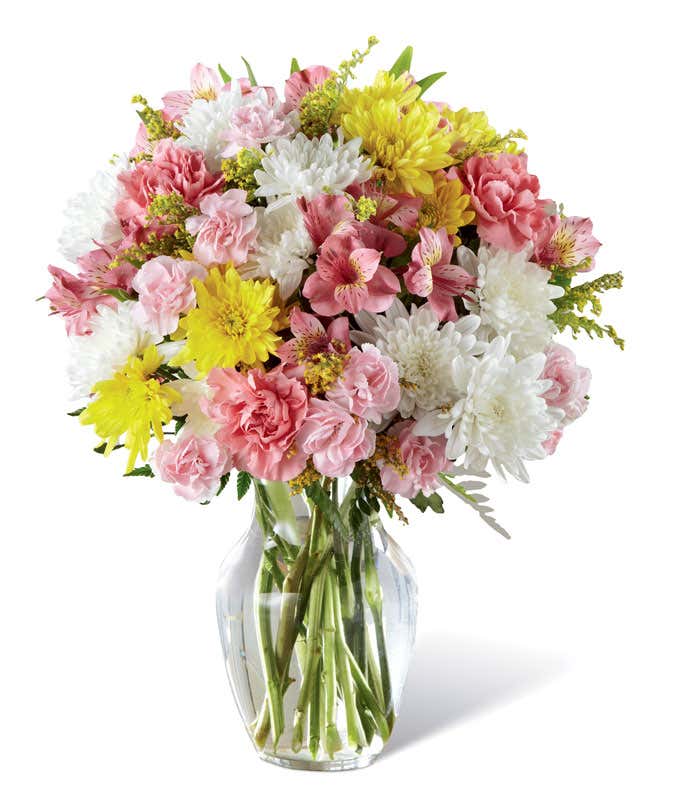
[473,135]
[231,324]
[133,402]
[406,145]
[447,207]
[401,89]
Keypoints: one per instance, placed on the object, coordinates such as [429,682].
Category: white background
[547,663]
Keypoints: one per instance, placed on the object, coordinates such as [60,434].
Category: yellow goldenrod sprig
[365,208]
[170,208]
[179,243]
[323,370]
[239,171]
[156,126]
[310,475]
[318,105]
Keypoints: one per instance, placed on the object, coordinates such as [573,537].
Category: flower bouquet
[341,299]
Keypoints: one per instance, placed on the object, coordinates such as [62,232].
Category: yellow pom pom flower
[133,402]
[406,143]
[232,323]
[473,135]
[447,207]
[401,89]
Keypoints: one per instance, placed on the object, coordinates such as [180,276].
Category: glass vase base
[308,764]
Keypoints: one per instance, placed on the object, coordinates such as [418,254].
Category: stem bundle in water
[326,586]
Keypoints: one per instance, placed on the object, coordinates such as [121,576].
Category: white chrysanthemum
[90,216]
[192,393]
[501,416]
[513,297]
[306,168]
[115,337]
[205,124]
[422,351]
[283,250]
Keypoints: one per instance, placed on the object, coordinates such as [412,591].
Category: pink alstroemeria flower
[325,215]
[310,338]
[205,84]
[570,244]
[431,275]
[349,277]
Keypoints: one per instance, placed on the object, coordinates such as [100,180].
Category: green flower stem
[375,603]
[369,699]
[330,738]
[355,733]
[313,657]
[374,678]
[287,631]
[315,716]
[344,577]
[267,653]
[285,638]
[356,638]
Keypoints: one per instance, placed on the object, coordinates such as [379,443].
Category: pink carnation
[226,230]
[505,199]
[251,126]
[302,82]
[172,169]
[431,275]
[425,458]
[570,382]
[324,215]
[349,276]
[259,414]
[369,386]
[550,444]
[335,439]
[193,464]
[569,244]
[165,292]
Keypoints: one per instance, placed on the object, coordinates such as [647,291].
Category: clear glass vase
[316,606]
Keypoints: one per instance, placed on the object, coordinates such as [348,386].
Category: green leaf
[224,479]
[226,77]
[251,76]
[243,481]
[77,412]
[140,471]
[117,293]
[477,502]
[432,502]
[180,421]
[403,62]
[294,66]
[429,81]
[102,448]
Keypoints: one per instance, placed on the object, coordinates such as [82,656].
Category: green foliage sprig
[570,308]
